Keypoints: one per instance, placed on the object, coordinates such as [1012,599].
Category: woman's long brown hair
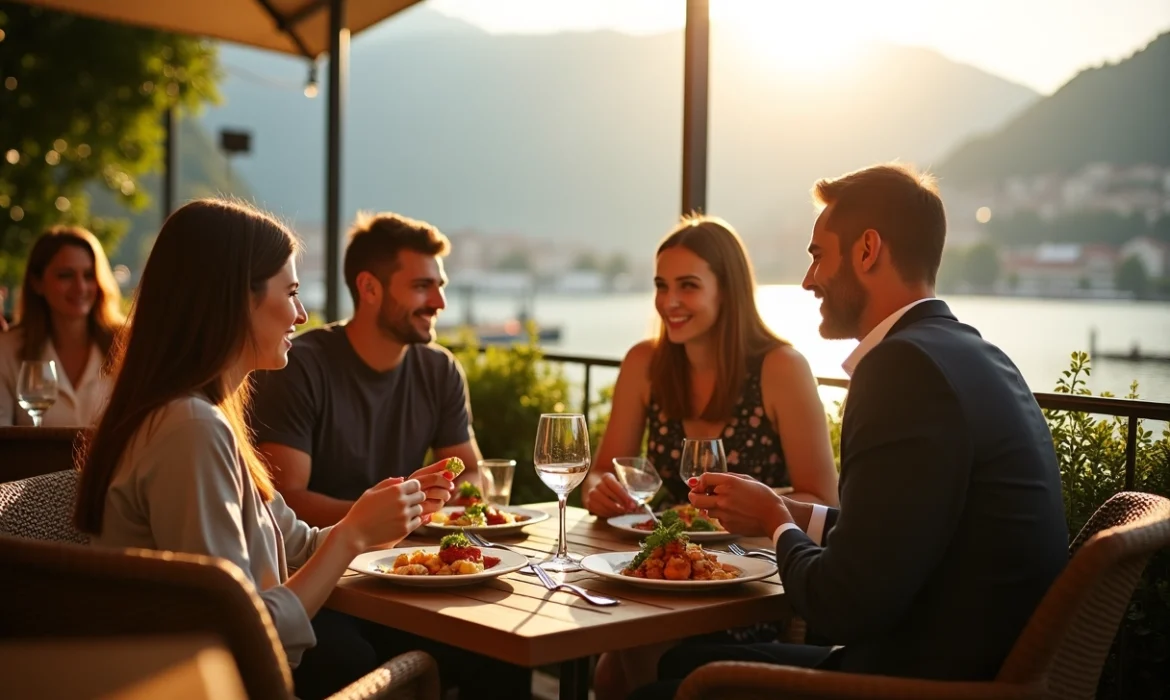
[738,335]
[189,324]
[33,315]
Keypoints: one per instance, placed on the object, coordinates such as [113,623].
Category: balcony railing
[1130,409]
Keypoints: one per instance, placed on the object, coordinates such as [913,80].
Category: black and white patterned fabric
[41,508]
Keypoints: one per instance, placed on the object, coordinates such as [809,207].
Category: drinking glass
[700,457]
[639,477]
[562,461]
[496,475]
[36,387]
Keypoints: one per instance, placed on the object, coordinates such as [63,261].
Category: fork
[479,541]
[741,552]
[552,585]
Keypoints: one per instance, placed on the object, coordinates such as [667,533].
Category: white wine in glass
[700,457]
[561,457]
[36,388]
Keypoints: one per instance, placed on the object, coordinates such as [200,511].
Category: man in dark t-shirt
[364,400]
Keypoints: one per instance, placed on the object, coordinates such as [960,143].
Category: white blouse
[180,486]
[79,405]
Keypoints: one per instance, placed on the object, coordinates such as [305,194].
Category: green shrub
[510,387]
[1091,452]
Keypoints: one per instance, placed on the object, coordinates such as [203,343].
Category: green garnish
[457,539]
[469,490]
[474,509]
[670,517]
[663,534]
[702,525]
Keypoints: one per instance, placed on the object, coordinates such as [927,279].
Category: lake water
[1038,334]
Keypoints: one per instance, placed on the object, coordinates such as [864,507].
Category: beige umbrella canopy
[298,27]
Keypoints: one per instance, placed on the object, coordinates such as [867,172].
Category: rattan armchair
[53,589]
[1059,654]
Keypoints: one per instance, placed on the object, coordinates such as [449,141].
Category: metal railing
[1130,409]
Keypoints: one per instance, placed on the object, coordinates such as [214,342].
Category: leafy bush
[510,387]
[1091,452]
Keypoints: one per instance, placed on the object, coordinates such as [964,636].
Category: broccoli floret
[469,490]
[475,510]
[701,524]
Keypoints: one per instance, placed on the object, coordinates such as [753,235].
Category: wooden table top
[515,619]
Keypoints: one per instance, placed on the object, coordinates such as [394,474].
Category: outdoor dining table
[515,619]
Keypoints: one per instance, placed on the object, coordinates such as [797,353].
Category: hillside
[577,136]
[1118,114]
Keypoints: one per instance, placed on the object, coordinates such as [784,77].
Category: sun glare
[798,37]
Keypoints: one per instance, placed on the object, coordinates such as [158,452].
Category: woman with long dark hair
[68,312]
[172,466]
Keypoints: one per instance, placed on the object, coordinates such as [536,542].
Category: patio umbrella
[301,27]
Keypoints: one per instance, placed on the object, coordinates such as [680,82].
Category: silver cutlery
[552,585]
[741,552]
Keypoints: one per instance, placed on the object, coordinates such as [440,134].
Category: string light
[311,85]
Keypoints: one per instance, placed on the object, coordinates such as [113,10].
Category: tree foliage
[82,102]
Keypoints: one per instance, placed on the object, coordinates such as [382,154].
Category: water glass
[496,476]
[700,457]
[639,477]
[561,457]
[36,388]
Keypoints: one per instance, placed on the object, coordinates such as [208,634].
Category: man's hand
[742,504]
[436,483]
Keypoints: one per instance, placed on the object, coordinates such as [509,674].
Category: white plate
[610,565]
[365,563]
[534,516]
[625,523]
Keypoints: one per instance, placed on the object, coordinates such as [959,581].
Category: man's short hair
[901,204]
[376,239]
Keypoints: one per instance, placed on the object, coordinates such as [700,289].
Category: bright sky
[1040,43]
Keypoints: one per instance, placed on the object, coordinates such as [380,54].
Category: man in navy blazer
[951,526]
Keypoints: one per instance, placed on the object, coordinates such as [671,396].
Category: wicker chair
[41,508]
[1059,654]
[26,451]
[63,590]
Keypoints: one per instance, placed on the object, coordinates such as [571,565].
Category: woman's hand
[608,498]
[385,514]
[437,484]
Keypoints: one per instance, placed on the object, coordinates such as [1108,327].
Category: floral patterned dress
[750,442]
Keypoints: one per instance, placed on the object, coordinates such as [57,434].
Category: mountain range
[1117,113]
[577,136]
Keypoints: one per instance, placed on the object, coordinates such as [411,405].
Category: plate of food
[669,561]
[455,562]
[481,516]
[697,525]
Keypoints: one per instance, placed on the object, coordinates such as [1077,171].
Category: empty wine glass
[36,388]
[700,457]
[639,477]
[561,457]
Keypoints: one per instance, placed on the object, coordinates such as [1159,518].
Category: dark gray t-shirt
[360,426]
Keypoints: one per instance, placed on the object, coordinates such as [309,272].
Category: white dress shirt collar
[877,335]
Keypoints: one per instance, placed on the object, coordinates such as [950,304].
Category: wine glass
[700,457]
[640,478]
[562,460]
[36,387]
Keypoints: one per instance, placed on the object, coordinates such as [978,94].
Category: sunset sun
[801,38]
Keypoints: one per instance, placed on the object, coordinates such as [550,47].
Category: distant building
[1060,269]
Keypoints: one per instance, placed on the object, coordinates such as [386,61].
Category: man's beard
[843,300]
[397,323]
